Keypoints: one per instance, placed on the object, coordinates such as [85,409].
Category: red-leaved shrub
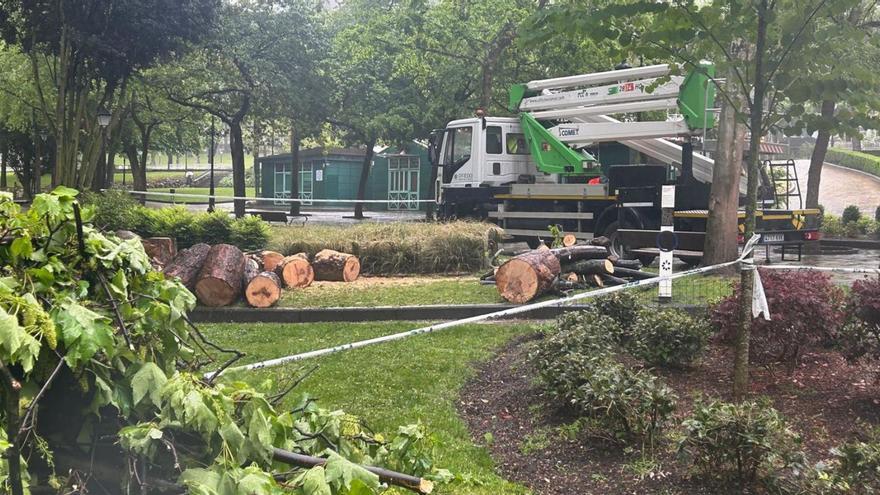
[806,309]
[865,300]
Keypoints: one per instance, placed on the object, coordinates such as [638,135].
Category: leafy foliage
[623,307]
[577,364]
[806,310]
[668,337]
[854,159]
[747,442]
[851,214]
[860,335]
[103,340]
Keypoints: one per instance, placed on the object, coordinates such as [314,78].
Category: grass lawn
[388,385]
[392,291]
[218,191]
[169,174]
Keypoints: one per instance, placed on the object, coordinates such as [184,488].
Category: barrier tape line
[821,269]
[285,200]
[747,251]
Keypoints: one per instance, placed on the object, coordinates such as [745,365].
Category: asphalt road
[841,187]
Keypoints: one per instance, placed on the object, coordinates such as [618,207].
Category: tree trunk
[577,253]
[161,249]
[295,271]
[294,178]
[238,180]
[110,169]
[756,117]
[139,178]
[817,159]
[256,150]
[365,175]
[219,281]
[590,267]
[268,260]
[527,276]
[4,159]
[261,289]
[722,225]
[856,144]
[187,264]
[336,266]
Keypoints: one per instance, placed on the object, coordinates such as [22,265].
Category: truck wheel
[618,249]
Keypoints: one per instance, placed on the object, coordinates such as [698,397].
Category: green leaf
[197,414]
[342,472]
[10,333]
[147,383]
[314,483]
[83,332]
[21,247]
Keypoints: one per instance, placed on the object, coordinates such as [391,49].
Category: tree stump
[336,266]
[268,260]
[296,271]
[187,264]
[527,276]
[262,289]
[219,281]
[161,249]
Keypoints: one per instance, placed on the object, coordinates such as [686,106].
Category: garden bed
[825,400]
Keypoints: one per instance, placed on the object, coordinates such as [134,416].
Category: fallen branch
[414,483]
[636,274]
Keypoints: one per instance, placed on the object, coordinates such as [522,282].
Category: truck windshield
[461,145]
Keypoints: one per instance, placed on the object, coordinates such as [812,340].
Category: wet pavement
[841,187]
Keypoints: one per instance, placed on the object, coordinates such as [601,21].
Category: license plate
[767,238]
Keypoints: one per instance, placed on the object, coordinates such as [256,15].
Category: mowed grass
[387,385]
[201,191]
[391,291]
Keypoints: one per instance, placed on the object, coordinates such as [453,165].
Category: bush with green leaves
[249,233]
[832,226]
[95,346]
[854,159]
[860,335]
[669,337]
[115,209]
[851,214]
[855,465]
[623,307]
[749,443]
[877,215]
[577,365]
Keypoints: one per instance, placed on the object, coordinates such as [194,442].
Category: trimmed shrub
[851,214]
[114,210]
[249,233]
[398,247]
[622,307]
[213,228]
[576,364]
[748,442]
[174,221]
[668,337]
[832,226]
[854,159]
[806,310]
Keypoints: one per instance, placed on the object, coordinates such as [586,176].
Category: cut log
[261,289]
[296,271]
[626,272]
[219,282]
[336,266]
[569,240]
[187,264]
[580,252]
[527,276]
[631,264]
[612,280]
[268,260]
[543,247]
[571,277]
[595,280]
[590,267]
[601,241]
[161,249]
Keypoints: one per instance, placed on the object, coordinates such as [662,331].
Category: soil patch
[825,400]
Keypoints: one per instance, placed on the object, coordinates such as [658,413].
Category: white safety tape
[747,251]
[285,200]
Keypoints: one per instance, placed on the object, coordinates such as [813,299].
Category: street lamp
[103,121]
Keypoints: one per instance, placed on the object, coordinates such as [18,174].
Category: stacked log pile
[529,274]
[220,275]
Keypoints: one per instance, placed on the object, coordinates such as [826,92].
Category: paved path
[841,187]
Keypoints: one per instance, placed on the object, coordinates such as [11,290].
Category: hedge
[855,160]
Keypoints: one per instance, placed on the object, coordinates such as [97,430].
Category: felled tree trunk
[590,267]
[262,289]
[636,274]
[296,271]
[161,249]
[631,264]
[580,252]
[336,266]
[219,281]
[269,260]
[527,276]
[188,263]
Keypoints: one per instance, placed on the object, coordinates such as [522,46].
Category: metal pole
[211,162]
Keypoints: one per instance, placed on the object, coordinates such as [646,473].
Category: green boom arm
[552,155]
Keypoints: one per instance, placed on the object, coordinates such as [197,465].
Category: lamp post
[211,164]
[103,121]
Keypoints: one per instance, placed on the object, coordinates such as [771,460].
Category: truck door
[456,156]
